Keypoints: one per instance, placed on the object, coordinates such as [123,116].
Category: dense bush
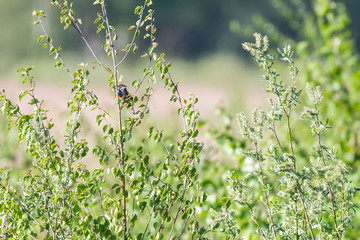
[148,196]
[305,197]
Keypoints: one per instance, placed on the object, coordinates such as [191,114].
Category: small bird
[123,93]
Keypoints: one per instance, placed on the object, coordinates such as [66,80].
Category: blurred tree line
[186,28]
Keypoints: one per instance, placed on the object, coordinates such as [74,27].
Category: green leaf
[151,129]
[195,133]
[138,10]
[151,49]
[133,220]
[139,150]
[40,38]
[52,50]
[58,64]
[142,206]
[22,94]
[228,203]
[137,33]
[33,101]
[105,128]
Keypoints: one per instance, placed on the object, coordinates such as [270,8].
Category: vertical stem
[332,197]
[295,200]
[180,206]
[293,74]
[296,219]
[255,221]
[343,206]
[299,189]
[290,107]
[265,193]
[122,155]
[305,226]
[121,164]
[305,210]
[290,139]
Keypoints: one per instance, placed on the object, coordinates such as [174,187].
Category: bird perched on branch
[123,93]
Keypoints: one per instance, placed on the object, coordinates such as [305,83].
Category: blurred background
[202,39]
[186,29]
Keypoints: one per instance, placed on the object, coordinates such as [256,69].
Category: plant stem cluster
[151,197]
[305,197]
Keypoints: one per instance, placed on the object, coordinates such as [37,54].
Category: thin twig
[122,154]
[305,210]
[178,96]
[265,191]
[57,51]
[252,212]
[78,29]
[180,206]
[133,38]
[332,197]
[147,225]
[26,210]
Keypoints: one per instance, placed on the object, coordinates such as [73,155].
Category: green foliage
[332,62]
[146,197]
[154,184]
[306,197]
[328,58]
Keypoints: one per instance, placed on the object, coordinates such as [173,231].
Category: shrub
[289,195]
[145,196]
